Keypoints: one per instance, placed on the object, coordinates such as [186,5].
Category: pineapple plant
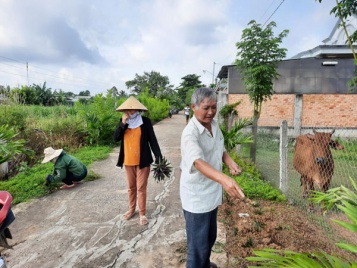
[162,169]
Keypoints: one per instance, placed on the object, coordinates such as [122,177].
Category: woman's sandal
[143,220]
[128,215]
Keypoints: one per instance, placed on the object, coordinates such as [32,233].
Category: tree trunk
[253,146]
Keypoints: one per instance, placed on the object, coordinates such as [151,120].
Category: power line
[79,82]
[274,12]
[272,2]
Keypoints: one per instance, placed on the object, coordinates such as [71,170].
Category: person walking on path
[67,168]
[138,139]
[201,182]
[187,113]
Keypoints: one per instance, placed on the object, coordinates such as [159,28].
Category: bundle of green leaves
[162,169]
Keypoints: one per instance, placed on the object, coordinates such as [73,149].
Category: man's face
[206,111]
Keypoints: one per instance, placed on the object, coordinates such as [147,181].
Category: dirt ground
[265,224]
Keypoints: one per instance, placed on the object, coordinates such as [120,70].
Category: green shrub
[252,182]
[13,115]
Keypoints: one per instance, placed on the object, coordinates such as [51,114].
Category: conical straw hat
[131,104]
[50,153]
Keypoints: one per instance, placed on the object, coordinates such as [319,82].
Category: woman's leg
[71,178]
[142,182]
[131,178]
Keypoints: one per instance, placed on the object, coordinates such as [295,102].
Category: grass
[30,183]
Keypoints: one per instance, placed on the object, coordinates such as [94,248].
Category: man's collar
[200,127]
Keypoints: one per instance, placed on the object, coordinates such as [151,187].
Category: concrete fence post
[283,152]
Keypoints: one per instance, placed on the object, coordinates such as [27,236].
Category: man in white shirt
[202,151]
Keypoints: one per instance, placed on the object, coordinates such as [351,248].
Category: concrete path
[83,226]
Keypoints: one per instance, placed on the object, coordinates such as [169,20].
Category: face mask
[134,115]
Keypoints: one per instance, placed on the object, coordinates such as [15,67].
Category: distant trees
[35,94]
[153,83]
[189,83]
[39,95]
[84,93]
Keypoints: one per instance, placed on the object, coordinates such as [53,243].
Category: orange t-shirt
[132,146]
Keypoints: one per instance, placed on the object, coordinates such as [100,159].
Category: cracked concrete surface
[83,226]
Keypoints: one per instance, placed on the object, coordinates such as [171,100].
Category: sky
[79,45]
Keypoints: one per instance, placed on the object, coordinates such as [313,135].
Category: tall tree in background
[257,60]
[84,93]
[189,83]
[154,82]
[43,95]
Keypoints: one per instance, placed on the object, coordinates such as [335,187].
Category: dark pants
[71,177]
[201,230]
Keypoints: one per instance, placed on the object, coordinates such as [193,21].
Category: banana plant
[9,147]
[235,136]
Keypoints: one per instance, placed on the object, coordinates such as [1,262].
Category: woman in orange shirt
[138,139]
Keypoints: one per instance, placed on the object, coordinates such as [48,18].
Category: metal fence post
[283,152]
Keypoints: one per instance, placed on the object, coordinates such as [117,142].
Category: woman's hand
[124,118]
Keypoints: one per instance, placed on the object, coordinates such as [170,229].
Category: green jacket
[64,164]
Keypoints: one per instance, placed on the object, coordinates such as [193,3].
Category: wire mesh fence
[269,159]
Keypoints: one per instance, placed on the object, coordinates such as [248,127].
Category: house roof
[335,45]
[223,73]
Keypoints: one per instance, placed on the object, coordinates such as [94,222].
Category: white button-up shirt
[198,193]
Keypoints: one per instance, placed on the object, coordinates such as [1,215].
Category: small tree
[257,59]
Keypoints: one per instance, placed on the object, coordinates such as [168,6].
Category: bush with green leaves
[235,136]
[9,146]
[345,200]
[99,119]
[252,182]
[14,115]
[157,109]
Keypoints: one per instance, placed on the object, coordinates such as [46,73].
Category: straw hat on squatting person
[138,139]
[67,168]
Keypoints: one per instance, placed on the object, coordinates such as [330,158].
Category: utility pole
[213,73]
[27,68]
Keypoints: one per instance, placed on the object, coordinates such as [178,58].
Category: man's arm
[228,184]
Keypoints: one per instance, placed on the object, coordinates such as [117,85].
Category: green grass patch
[253,184]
